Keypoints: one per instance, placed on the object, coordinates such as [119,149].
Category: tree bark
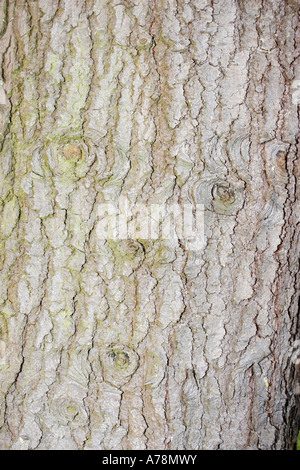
[145,344]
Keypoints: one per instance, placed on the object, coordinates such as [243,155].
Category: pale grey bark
[144,344]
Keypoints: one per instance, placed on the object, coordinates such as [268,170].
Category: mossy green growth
[298,441]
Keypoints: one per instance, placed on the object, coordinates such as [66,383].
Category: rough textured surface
[144,344]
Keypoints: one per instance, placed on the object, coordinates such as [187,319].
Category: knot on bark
[224,197]
[223,194]
[70,157]
[119,363]
[72,151]
[67,409]
[128,254]
[277,153]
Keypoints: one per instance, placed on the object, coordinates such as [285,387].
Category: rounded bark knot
[279,171]
[224,197]
[72,151]
[227,198]
[223,194]
[280,167]
[141,39]
[119,363]
[281,160]
[70,157]
[165,254]
[277,163]
[131,249]
[129,254]
[155,366]
[67,409]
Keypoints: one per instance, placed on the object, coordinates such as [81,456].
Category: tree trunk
[145,343]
